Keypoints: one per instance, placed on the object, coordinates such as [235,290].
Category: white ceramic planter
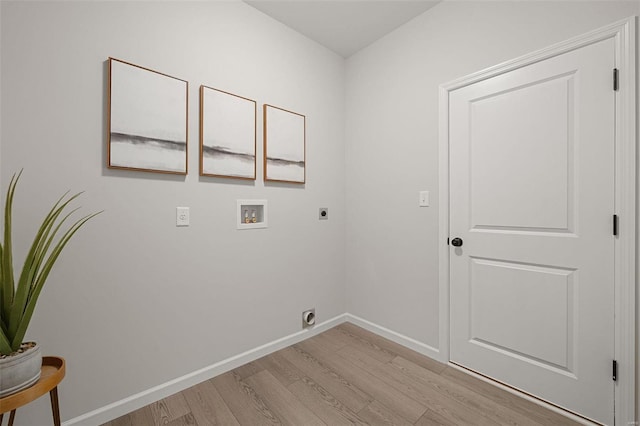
[19,371]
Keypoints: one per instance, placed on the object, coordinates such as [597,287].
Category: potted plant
[20,361]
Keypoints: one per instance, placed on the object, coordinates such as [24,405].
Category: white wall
[392,141]
[135,301]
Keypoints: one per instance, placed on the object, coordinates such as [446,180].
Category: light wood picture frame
[227,134]
[147,120]
[284,145]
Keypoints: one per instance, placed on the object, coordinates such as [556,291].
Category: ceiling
[344,26]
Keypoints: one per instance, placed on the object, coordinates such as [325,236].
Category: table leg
[55,408]
[12,416]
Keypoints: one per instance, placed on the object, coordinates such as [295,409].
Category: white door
[532,199]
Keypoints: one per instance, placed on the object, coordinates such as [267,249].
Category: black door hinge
[615,225]
[447,241]
[615,370]
[615,79]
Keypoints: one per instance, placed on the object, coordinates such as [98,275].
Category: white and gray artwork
[148,120]
[228,135]
[284,141]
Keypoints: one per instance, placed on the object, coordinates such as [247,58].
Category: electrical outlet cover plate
[182,216]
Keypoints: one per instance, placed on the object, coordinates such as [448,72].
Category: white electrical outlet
[182,216]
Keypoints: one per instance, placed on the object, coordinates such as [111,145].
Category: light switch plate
[424,199]
[182,216]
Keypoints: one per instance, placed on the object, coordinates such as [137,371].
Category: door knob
[456,242]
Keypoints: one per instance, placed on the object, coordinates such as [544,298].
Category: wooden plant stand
[51,374]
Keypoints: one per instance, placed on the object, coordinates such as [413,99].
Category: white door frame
[624,33]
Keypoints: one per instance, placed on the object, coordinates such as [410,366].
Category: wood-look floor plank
[141,417]
[527,408]
[478,402]
[207,406]
[120,421]
[248,369]
[281,368]
[347,393]
[421,392]
[393,347]
[186,420]
[245,404]
[329,409]
[377,414]
[331,340]
[169,409]
[431,418]
[395,400]
[281,401]
[344,376]
[361,341]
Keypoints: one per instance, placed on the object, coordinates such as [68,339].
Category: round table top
[51,374]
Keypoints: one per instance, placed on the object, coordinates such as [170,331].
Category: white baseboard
[139,400]
[400,339]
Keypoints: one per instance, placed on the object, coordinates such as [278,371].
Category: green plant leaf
[3,328]
[42,277]
[42,252]
[25,281]
[7,259]
[18,299]
[3,320]
[5,346]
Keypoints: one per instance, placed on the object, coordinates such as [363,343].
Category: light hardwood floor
[343,376]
